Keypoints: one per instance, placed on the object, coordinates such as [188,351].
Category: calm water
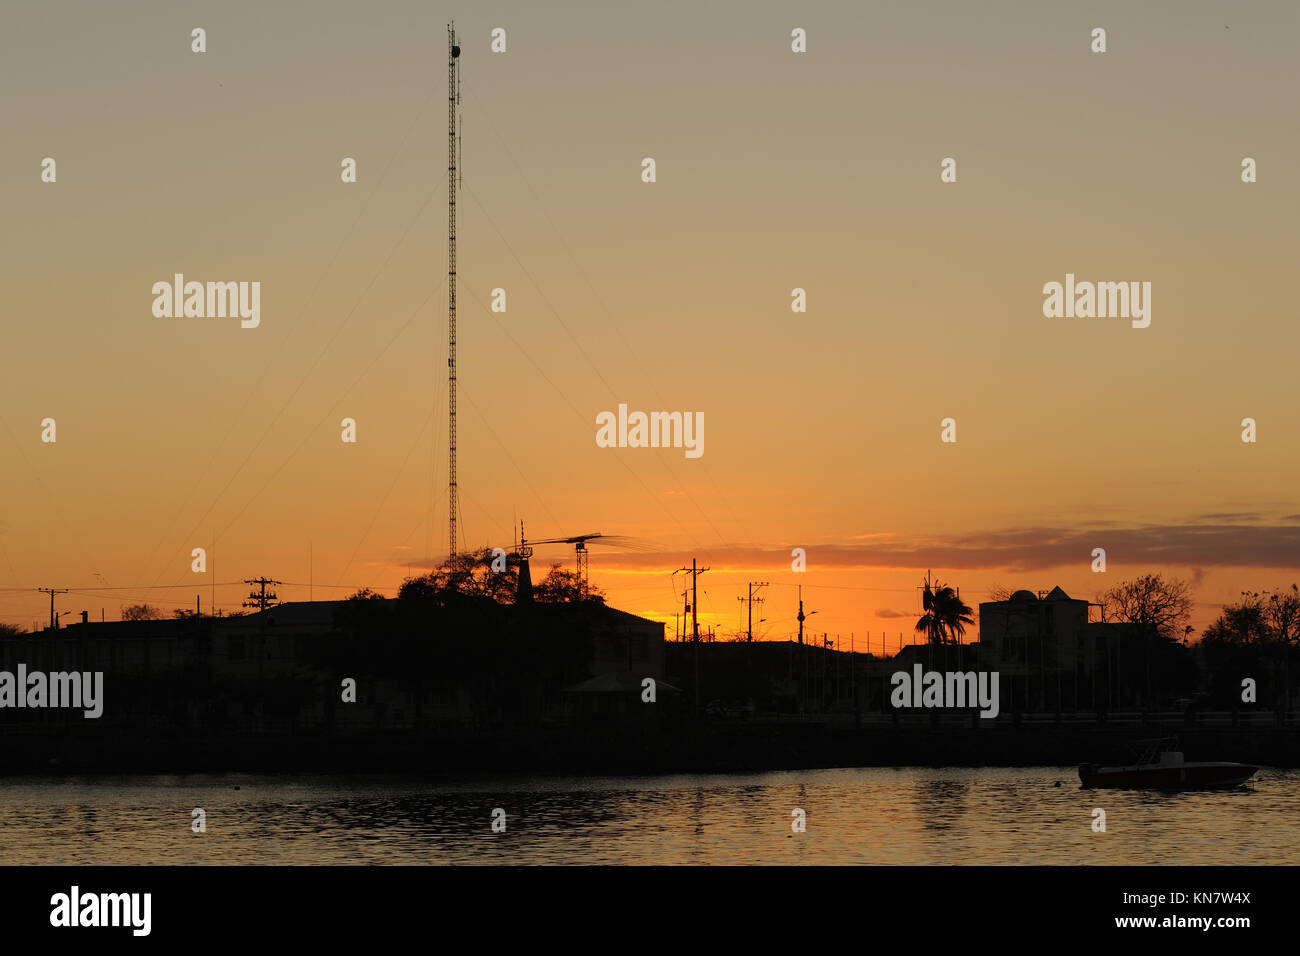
[910,815]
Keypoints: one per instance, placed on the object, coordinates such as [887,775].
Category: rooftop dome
[1023,595]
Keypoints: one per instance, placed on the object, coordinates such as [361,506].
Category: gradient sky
[775,170]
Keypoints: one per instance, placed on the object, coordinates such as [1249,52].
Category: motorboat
[1161,766]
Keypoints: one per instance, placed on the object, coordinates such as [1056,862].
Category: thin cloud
[1037,548]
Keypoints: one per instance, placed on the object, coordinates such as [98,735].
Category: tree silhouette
[1152,602]
[562,586]
[470,573]
[1259,618]
[1259,637]
[946,615]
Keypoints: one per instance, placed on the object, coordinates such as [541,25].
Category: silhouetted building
[451,665]
[1029,632]
[1049,654]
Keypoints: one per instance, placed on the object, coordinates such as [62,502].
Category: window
[235,647]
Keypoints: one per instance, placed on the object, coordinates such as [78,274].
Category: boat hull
[1196,776]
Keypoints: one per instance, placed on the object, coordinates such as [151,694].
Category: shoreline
[737,747]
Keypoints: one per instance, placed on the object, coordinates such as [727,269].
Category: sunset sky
[775,170]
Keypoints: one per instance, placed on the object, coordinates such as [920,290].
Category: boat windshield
[1149,751]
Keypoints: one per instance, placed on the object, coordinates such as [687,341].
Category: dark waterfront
[871,815]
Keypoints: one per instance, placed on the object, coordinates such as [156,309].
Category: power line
[327,270]
[302,381]
[293,454]
[616,326]
[622,460]
[125,587]
[397,475]
[577,343]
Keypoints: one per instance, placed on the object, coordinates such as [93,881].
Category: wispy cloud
[1199,544]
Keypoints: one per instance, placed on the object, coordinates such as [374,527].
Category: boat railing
[1152,751]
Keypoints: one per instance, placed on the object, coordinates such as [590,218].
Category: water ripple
[890,816]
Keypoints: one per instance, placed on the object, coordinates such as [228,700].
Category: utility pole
[926,591]
[826,645]
[695,573]
[260,600]
[695,600]
[453,102]
[51,592]
[695,627]
[853,676]
[751,601]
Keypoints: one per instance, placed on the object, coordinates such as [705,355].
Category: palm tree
[946,615]
[929,623]
[954,612]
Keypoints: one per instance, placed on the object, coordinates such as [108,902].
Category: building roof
[1029,597]
[291,614]
[617,684]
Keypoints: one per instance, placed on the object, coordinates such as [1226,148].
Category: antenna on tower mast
[453,143]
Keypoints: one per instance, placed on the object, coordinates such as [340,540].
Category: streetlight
[802,617]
